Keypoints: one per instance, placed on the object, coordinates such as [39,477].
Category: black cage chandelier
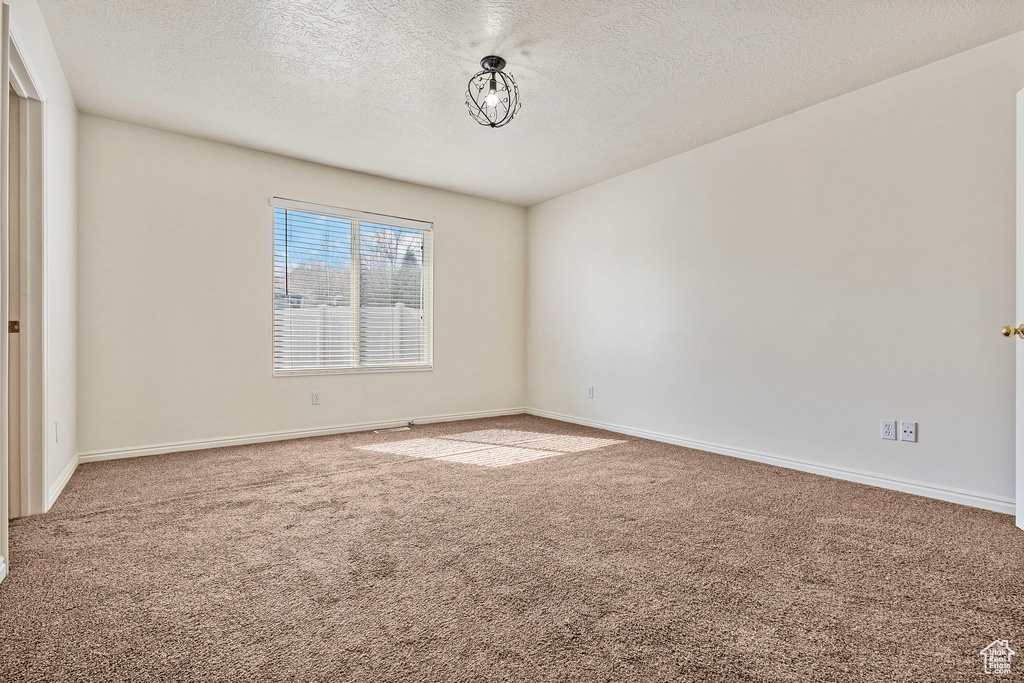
[492,95]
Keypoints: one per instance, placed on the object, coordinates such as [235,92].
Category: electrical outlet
[889,430]
[56,431]
[908,431]
[590,392]
[316,398]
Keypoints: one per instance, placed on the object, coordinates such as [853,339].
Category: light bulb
[492,97]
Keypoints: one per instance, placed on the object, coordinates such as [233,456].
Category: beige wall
[60,243]
[175,331]
[781,291]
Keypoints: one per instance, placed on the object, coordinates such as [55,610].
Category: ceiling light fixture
[492,95]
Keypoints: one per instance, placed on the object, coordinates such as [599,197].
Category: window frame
[427,227]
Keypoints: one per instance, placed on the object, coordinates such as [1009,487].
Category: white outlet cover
[590,392]
[889,430]
[908,431]
[316,398]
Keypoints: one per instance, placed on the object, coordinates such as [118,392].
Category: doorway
[22,432]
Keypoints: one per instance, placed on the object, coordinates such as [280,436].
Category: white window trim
[281,203]
[396,221]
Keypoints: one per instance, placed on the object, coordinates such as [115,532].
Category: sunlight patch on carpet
[500,456]
[503,437]
[425,448]
[571,444]
[492,447]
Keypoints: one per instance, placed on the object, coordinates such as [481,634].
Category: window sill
[354,371]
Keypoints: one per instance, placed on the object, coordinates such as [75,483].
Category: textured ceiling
[378,85]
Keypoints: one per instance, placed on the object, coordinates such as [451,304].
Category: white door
[14,473]
[1020,310]
[4,275]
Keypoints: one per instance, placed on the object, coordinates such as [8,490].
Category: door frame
[32,430]
[31,223]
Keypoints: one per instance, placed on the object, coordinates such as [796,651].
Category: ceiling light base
[492,63]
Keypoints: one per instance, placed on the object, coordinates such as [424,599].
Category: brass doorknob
[1010,331]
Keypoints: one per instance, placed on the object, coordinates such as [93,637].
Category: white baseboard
[3,568]
[58,486]
[174,447]
[947,493]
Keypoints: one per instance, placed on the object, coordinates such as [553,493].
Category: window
[352,290]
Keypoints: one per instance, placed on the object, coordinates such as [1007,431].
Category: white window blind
[352,290]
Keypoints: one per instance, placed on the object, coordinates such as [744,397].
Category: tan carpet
[312,560]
